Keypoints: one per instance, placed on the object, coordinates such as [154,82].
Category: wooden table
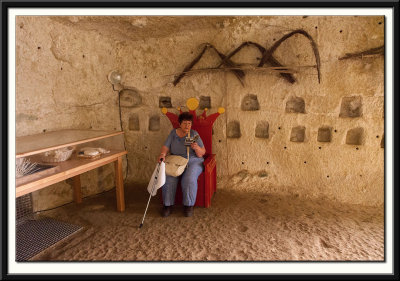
[72,168]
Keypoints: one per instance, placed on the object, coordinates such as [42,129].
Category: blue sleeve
[199,140]
[168,141]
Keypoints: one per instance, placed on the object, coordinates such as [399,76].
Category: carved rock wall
[61,82]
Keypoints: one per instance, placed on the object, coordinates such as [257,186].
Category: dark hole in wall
[250,103]
[295,105]
[130,98]
[164,102]
[205,102]
[154,123]
[134,122]
[324,134]
[233,130]
[351,107]
[262,130]
[355,136]
[298,134]
[262,174]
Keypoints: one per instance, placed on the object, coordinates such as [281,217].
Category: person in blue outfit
[175,145]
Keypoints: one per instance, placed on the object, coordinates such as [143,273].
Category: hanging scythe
[271,60]
[270,51]
[370,52]
[189,67]
[238,73]
[266,58]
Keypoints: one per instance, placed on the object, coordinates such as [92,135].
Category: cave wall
[307,138]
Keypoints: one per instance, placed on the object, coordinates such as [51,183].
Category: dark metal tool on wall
[266,58]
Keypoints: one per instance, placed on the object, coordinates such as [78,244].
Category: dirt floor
[244,223]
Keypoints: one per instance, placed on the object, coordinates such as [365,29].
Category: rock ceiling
[125,28]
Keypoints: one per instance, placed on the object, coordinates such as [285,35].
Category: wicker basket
[58,155]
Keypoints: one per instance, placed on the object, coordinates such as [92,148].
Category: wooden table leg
[77,189]
[119,185]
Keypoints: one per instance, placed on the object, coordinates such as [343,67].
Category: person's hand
[194,146]
[161,158]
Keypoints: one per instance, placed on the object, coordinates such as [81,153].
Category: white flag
[157,179]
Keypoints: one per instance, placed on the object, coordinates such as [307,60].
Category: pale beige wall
[80,96]
[61,83]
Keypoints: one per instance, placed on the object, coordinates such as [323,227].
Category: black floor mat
[34,236]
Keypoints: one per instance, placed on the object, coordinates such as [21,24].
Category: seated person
[175,144]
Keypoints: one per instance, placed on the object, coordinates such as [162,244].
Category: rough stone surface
[63,85]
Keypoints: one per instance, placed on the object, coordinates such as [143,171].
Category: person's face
[186,125]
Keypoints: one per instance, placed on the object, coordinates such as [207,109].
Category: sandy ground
[244,223]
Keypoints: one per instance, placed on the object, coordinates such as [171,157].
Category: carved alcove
[298,134]
[134,124]
[351,107]
[164,102]
[295,105]
[250,103]
[205,102]
[130,98]
[154,123]
[262,130]
[355,136]
[324,134]
[233,130]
